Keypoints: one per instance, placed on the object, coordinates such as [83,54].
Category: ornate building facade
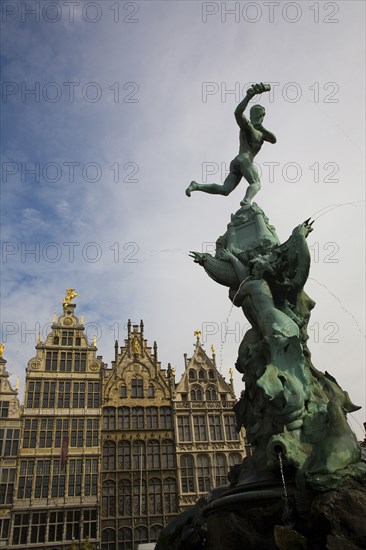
[207,443]
[56,500]
[139,474]
[10,413]
[108,456]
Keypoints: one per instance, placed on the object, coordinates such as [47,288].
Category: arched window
[192,374]
[155,498]
[139,497]
[151,391]
[196,393]
[211,394]
[167,454]
[151,418]
[170,495]
[155,531]
[123,418]
[220,470]
[187,474]
[125,539]
[166,422]
[109,455]
[123,391]
[109,418]
[137,418]
[211,375]
[202,375]
[141,534]
[109,499]
[153,454]
[108,539]
[124,498]
[203,473]
[235,458]
[124,455]
[138,455]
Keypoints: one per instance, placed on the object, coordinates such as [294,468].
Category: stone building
[57,484]
[139,473]
[207,443]
[10,412]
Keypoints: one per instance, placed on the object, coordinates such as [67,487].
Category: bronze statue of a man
[252,135]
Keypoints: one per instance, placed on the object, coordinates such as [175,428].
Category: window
[215,427]
[203,473]
[73,518]
[91,477]
[92,432]
[202,375]
[137,418]
[64,391]
[80,361]
[153,455]
[56,523]
[25,478]
[93,395]
[192,374]
[62,430]
[78,395]
[109,499]
[38,527]
[211,394]
[77,432]
[199,426]
[58,480]
[151,418]
[125,538]
[235,458]
[211,375]
[166,421]
[11,443]
[151,391]
[56,341]
[30,433]
[20,528]
[155,497]
[123,418]
[65,361]
[220,470]
[67,337]
[45,434]
[123,392]
[4,528]
[170,495]
[124,498]
[139,497]
[7,479]
[196,393]
[75,477]
[141,535]
[33,395]
[42,479]
[184,428]
[109,418]
[51,360]
[138,455]
[109,455]
[137,388]
[230,427]
[90,524]
[167,454]
[124,455]
[187,474]
[108,539]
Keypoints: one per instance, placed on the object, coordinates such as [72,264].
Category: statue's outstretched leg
[226,188]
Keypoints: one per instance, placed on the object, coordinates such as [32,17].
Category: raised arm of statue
[251,92]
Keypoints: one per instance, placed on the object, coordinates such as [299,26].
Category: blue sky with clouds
[131,107]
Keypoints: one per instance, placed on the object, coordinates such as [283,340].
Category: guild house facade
[102,458]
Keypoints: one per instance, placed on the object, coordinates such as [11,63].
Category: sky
[111,108]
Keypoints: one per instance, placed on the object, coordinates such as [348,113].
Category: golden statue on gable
[70,295]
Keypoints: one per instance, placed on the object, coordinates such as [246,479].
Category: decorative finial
[17,384]
[82,318]
[39,338]
[70,295]
[2,347]
[212,348]
[54,317]
[94,341]
[197,334]
[231,373]
[173,371]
